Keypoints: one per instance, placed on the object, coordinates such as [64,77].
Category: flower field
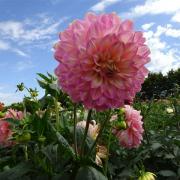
[96,120]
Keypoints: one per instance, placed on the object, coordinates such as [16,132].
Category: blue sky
[29,28]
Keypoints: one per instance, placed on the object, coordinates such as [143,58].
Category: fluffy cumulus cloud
[147,26]
[168,30]
[155,7]
[102,5]
[176,17]
[163,56]
[163,40]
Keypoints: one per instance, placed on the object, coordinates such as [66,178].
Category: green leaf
[89,173]
[42,84]
[54,87]
[44,77]
[156,146]
[167,173]
[88,142]
[51,152]
[16,172]
[63,142]
[12,121]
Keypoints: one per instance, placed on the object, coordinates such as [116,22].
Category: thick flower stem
[75,135]
[108,146]
[25,153]
[100,132]
[86,131]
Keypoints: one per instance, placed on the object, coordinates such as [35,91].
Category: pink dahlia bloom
[11,113]
[93,128]
[101,61]
[5,133]
[5,130]
[132,136]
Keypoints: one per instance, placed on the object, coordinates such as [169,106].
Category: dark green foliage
[157,85]
[89,173]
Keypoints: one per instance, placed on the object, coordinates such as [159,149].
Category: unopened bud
[121,125]
[20,87]
[147,176]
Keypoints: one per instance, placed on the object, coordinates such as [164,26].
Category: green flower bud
[34,93]
[20,87]
[121,110]
[147,176]
[2,114]
[25,137]
[121,125]
[5,168]
[41,138]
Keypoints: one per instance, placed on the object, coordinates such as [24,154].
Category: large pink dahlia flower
[101,61]
[132,136]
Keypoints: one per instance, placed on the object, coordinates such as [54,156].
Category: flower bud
[2,114]
[25,137]
[20,87]
[121,125]
[41,138]
[147,176]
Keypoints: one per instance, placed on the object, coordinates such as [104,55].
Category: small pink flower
[5,130]
[5,133]
[132,136]
[93,128]
[101,61]
[11,113]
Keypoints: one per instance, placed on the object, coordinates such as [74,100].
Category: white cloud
[4,45]
[36,32]
[155,7]
[176,17]
[147,26]
[25,33]
[163,56]
[168,30]
[20,53]
[102,5]
[13,28]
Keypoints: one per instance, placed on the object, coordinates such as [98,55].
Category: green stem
[24,108]
[107,159]
[25,153]
[99,134]
[75,122]
[86,131]
[57,113]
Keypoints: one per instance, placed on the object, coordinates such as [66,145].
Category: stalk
[107,159]
[100,132]
[86,131]
[26,153]
[75,137]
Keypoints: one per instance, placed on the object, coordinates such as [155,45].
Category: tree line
[157,85]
